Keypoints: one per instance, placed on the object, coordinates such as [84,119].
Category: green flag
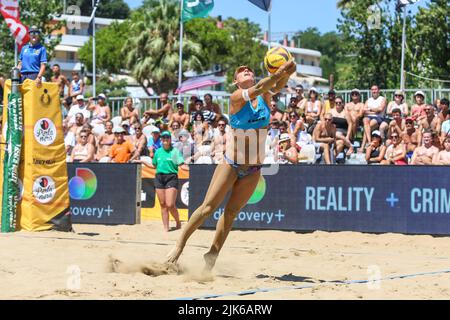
[196,9]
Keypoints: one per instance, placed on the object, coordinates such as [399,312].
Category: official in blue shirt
[33,58]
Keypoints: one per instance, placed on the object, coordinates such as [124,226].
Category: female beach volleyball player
[240,172]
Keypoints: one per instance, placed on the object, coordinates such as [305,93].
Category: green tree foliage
[109,44]
[113,9]
[32,12]
[153,46]
[110,88]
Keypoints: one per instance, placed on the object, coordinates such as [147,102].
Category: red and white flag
[10,11]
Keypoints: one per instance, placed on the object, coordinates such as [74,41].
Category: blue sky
[287,15]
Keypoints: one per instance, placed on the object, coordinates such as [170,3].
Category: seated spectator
[105,142]
[154,142]
[185,145]
[275,113]
[219,142]
[426,152]
[398,103]
[203,154]
[212,106]
[397,124]
[443,109]
[287,153]
[296,127]
[181,116]
[91,138]
[376,150]
[418,109]
[208,115]
[325,136]
[430,121]
[128,130]
[77,126]
[411,137]
[128,112]
[445,128]
[100,111]
[374,109]
[165,112]
[313,107]
[83,150]
[443,157]
[342,122]
[292,108]
[299,90]
[329,104]
[79,107]
[139,142]
[283,127]
[122,150]
[191,107]
[174,129]
[201,129]
[396,152]
[355,110]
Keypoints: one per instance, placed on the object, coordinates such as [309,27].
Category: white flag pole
[269,36]
[180,63]
[16,48]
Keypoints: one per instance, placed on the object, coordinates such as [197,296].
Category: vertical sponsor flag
[263,4]
[10,11]
[11,162]
[196,9]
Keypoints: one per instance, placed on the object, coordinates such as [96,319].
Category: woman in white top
[313,107]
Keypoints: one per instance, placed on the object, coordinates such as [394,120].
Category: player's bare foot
[174,254]
[210,261]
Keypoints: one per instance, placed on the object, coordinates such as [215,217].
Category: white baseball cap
[155,129]
[80,97]
[101,95]
[313,89]
[420,92]
[284,137]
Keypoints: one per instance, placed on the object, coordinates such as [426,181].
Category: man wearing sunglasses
[33,58]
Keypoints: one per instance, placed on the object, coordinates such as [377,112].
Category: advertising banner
[414,199]
[105,193]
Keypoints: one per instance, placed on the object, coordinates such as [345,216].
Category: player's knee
[206,209]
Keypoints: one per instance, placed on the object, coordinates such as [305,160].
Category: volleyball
[275,58]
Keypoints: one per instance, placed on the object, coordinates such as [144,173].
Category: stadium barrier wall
[379,199]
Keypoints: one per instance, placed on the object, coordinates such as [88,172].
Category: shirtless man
[60,79]
[105,141]
[180,116]
[325,135]
[292,107]
[355,109]
[425,153]
[219,142]
[443,157]
[165,111]
[410,136]
[275,113]
[299,90]
[210,105]
[397,124]
[431,121]
[128,112]
[78,125]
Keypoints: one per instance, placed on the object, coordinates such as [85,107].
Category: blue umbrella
[263,4]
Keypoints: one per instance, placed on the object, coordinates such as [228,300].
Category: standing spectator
[129,112]
[275,113]
[154,142]
[60,79]
[287,153]
[376,150]
[212,106]
[418,109]
[430,121]
[325,136]
[83,150]
[355,109]
[76,87]
[443,157]
[374,109]
[122,150]
[165,112]
[33,58]
[105,143]
[167,160]
[426,152]
[79,107]
[396,152]
[313,108]
[100,111]
[181,116]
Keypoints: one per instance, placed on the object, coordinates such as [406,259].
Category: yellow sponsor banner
[43,170]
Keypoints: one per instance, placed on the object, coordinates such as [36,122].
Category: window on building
[70,56]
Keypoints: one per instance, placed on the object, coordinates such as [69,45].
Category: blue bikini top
[250,118]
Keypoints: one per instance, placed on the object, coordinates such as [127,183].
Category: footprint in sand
[153,269]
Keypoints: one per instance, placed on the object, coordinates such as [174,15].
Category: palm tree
[342,4]
[152,53]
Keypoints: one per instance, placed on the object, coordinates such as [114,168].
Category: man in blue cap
[33,58]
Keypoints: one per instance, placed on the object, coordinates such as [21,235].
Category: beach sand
[125,262]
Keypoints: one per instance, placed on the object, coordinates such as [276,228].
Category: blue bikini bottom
[242,171]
